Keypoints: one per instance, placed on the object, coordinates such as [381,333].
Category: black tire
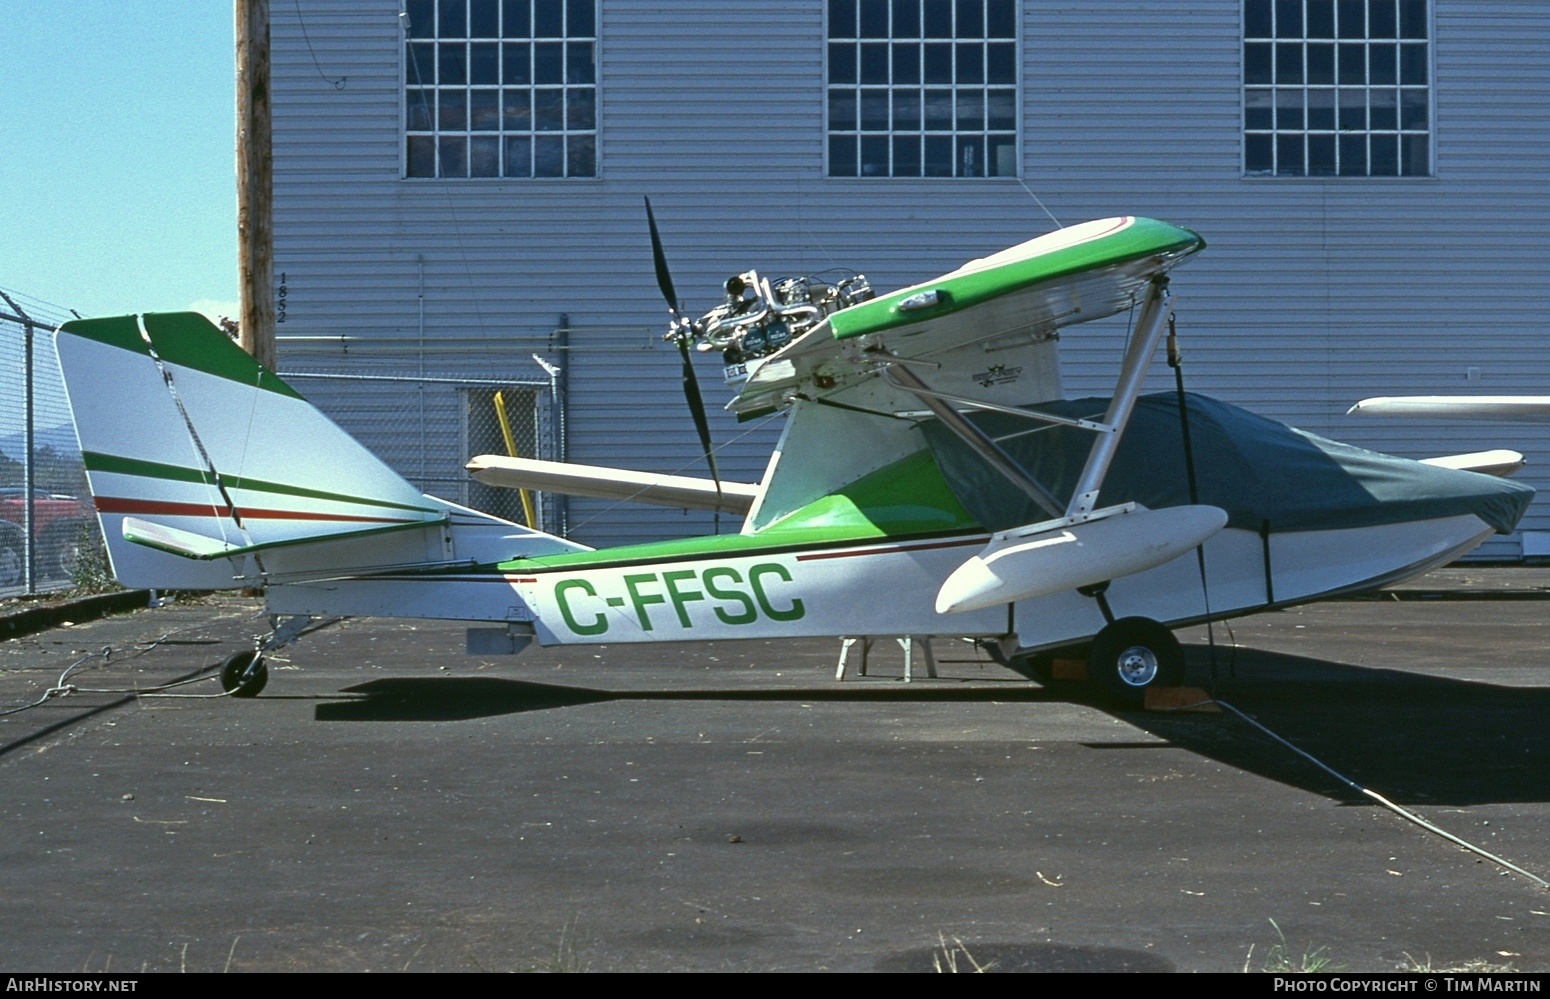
[1132,654]
[244,674]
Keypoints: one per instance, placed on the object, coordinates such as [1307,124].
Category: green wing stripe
[97,462]
[118,331]
[1143,238]
[191,340]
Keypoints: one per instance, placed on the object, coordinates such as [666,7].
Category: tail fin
[209,472]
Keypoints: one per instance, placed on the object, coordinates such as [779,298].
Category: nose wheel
[1133,654]
[244,674]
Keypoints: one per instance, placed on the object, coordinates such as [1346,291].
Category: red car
[57,526]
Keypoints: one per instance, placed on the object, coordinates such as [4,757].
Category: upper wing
[1069,276]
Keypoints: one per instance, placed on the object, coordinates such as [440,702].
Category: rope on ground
[1399,810]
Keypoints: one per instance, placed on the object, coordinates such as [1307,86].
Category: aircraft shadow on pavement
[1413,738]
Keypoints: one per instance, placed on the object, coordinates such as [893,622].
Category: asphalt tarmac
[389,803]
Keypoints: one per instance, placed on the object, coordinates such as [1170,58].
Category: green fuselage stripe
[115,464]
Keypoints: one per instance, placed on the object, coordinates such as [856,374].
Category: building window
[500,88]
[923,88]
[1337,88]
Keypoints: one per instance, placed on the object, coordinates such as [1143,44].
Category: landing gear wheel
[1132,654]
[244,674]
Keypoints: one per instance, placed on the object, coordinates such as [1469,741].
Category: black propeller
[682,332]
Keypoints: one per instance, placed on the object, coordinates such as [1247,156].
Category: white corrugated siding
[1313,293]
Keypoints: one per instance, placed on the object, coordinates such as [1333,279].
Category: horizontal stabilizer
[612,483]
[1064,554]
[1500,462]
[188,544]
[1512,408]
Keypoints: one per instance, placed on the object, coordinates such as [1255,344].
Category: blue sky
[117,177]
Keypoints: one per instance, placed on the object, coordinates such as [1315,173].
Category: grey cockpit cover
[1256,469]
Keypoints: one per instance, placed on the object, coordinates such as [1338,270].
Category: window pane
[1001,110]
[874,156]
[580,108]
[906,156]
[1321,110]
[971,19]
[1258,154]
[1321,64]
[971,63]
[1385,110]
[906,63]
[1000,19]
[1321,18]
[1415,158]
[874,63]
[453,110]
[1288,63]
[453,23]
[939,21]
[454,156]
[484,109]
[516,66]
[1321,155]
[1256,19]
[842,110]
[422,156]
[484,19]
[1413,110]
[1412,64]
[1289,155]
[548,20]
[1288,18]
[971,157]
[581,154]
[580,22]
[1258,109]
[906,20]
[1353,64]
[1289,110]
[939,156]
[1352,19]
[484,63]
[1002,157]
[548,62]
[939,64]
[874,110]
[1353,114]
[1256,62]
[842,156]
[1412,19]
[549,109]
[874,18]
[971,112]
[1000,63]
[422,22]
[549,156]
[842,63]
[906,113]
[939,116]
[419,112]
[842,19]
[454,67]
[579,65]
[484,156]
[420,65]
[1381,63]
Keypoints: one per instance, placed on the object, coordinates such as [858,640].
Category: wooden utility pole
[255,182]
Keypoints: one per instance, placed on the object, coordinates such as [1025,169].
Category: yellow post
[511,449]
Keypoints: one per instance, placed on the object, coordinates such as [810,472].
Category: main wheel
[244,674]
[1132,654]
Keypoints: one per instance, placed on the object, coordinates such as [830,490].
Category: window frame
[501,133]
[1258,118]
[955,135]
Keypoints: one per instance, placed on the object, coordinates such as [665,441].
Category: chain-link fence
[426,407]
[48,535]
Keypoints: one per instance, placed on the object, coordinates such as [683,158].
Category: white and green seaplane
[931,480]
